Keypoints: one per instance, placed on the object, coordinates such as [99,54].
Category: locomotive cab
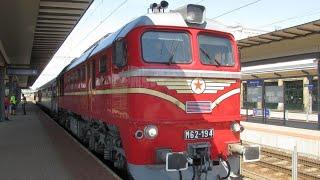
[184,101]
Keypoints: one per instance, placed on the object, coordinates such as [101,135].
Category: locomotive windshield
[215,51]
[166,47]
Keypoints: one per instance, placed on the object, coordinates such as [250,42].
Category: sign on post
[22,71]
[261,112]
[310,87]
[254,83]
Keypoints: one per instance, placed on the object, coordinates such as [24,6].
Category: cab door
[92,86]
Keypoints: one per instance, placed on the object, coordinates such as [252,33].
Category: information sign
[255,83]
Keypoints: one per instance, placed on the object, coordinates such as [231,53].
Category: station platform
[34,147]
[294,120]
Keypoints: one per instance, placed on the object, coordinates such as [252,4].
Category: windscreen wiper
[173,53]
[208,56]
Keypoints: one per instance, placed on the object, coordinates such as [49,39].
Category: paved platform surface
[288,123]
[295,120]
[34,147]
[294,116]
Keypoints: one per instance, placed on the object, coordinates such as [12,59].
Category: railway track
[275,164]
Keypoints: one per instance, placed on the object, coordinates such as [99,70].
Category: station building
[286,58]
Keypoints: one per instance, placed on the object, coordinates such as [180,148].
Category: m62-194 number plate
[198,134]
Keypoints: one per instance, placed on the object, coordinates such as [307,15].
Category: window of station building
[268,87]
[294,94]
[215,50]
[246,103]
[315,95]
[103,64]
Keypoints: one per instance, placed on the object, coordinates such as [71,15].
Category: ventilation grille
[198,107]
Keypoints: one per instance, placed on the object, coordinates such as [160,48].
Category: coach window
[102,64]
[79,75]
[61,86]
[93,74]
[74,78]
[83,74]
[68,81]
[166,47]
[71,80]
[215,50]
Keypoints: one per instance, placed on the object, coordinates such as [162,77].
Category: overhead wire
[107,17]
[236,9]
[91,31]
[199,1]
[187,3]
[289,18]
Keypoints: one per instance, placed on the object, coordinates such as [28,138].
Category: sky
[106,16]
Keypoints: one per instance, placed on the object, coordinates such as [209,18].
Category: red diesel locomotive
[160,98]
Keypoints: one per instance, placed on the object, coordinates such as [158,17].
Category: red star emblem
[198,85]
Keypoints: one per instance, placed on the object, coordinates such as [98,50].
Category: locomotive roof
[165,19]
[48,84]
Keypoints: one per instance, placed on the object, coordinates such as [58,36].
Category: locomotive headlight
[236,127]
[151,131]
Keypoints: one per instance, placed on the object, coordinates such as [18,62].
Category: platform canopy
[292,69]
[279,35]
[290,44]
[33,30]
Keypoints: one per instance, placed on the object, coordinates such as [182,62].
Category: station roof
[33,30]
[301,68]
[279,35]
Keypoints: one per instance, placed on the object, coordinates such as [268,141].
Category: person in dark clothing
[6,107]
[23,103]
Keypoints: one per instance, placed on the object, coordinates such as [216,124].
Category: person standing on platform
[13,102]
[24,102]
[6,107]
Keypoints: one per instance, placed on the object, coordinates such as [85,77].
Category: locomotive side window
[166,47]
[215,51]
[120,53]
[102,64]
